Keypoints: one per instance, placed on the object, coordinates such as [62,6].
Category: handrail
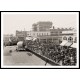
[47,60]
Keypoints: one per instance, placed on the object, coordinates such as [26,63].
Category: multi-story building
[57,34]
[69,37]
[42,26]
[40,30]
[21,35]
[6,38]
[44,31]
[38,33]
[9,39]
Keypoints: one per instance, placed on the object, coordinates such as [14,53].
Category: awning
[34,39]
[74,45]
[28,38]
[63,43]
[68,44]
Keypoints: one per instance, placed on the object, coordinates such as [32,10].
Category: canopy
[20,43]
[74,45]
[34,39]
[28,38]
[68,44]
[63,43]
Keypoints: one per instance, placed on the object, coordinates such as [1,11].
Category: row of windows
[70,39]
[39,34]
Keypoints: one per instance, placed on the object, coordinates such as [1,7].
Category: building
[56,33]
[38,33]
[69,35]
[42,26]
[69,38]
[44,31]
[21,35]
[6,38]
[40,29]
[9,39]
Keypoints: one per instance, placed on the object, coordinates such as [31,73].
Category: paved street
[12,57]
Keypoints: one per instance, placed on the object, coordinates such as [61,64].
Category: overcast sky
[13,22]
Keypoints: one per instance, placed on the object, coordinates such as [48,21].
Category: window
[64,38]
[49,40]
[70,39]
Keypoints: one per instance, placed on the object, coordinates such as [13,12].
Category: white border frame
[2,24]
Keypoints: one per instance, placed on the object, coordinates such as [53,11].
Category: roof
[63,43]
[46,23]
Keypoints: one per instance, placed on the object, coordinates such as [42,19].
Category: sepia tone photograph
[40,39]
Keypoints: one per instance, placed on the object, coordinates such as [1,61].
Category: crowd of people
[62,55]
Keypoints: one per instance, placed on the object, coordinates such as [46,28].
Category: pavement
[23,58]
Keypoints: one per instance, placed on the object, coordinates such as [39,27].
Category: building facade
[21,35]
[70,35]
[42,26]
[44,31]
[6,38]
[69,38]
[9,39]
[38,33]
[57,33]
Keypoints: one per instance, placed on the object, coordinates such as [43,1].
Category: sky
[13,22]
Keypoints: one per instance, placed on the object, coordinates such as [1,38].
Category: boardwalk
[21,58]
